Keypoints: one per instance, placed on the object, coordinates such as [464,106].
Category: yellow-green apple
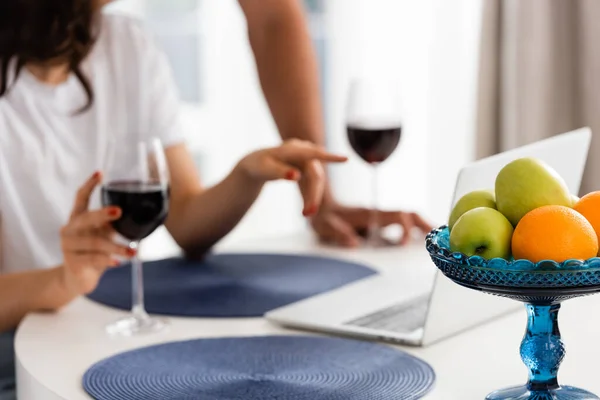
[471,200]
[574,199]
[483,232]
[526,184]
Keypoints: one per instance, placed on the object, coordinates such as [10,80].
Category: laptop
[402,307]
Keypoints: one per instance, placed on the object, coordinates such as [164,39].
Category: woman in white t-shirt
[70,79]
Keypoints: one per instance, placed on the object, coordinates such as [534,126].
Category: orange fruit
[589,207]
[555,233]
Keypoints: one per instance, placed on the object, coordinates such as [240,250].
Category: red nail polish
[131,252]
[291,175]
[115,263]
[113,212]
[96,175]
[309,211]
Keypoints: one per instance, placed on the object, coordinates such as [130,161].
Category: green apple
[471,200]
[574,199]
[483,232]
[528,183]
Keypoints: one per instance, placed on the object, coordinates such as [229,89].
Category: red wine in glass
[137,181]
[374,127]
[374,145]
[144,207]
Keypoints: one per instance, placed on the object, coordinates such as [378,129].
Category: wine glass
[137,181]
[374,127]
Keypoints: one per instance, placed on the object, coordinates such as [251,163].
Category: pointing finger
[274,169]
[299,154]
[312,187]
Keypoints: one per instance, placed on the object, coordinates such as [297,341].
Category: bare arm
[199,218]
[30,291]
[287,66]
[288,71]
[88,250]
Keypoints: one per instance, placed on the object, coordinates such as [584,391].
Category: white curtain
[539,75]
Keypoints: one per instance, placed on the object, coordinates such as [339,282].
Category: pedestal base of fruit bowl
[524,393]
[542,351]
[542,288]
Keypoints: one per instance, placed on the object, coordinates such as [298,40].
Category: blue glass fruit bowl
[542,287]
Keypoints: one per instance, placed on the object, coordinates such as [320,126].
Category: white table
[54,350]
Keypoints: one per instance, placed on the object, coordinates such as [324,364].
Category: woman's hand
[87,242]
[295,160]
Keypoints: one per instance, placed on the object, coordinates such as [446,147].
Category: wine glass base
[523,393]
[133,326]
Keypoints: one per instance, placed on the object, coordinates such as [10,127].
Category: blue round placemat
[261,368]
[227,285]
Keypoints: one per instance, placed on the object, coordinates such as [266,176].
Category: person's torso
[47,149]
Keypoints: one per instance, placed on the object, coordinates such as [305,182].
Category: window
[178,30]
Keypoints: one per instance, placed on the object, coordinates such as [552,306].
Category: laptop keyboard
[400,318]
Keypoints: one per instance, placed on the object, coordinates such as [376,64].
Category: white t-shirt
[47,152]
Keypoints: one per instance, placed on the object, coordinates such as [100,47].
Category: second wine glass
[374,127]
[137,181]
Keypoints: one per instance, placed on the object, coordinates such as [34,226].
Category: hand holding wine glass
[87,242]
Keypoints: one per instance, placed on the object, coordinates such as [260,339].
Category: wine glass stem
[137,279]
[542,349]
[374,218]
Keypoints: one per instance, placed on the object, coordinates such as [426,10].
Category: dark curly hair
[45,32]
